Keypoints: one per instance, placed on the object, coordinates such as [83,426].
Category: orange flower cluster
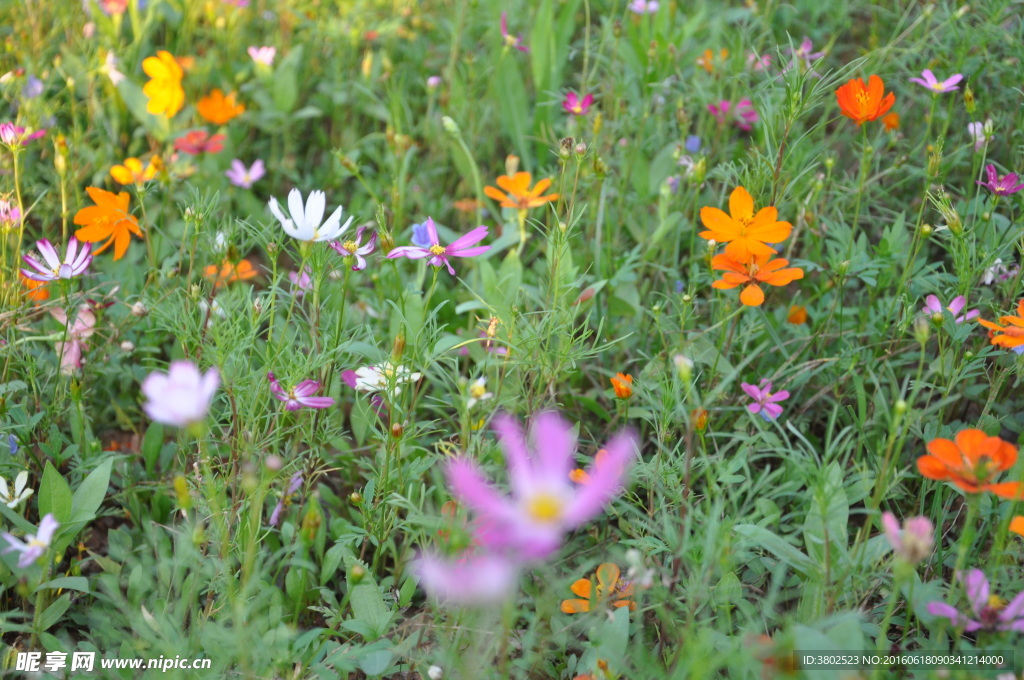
[747,258]
[229,272]
[972,462]
[860,102]
[609,590]
[1011,333]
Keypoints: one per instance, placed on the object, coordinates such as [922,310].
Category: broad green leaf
[54,495]
[90,494]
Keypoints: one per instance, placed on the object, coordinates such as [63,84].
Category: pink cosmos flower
[199,141]
[756,63]
[472,579]
[263,55]
[353,249]
[544,505]
[764,400]
[510,40]
[1000,186]
[934,306]
[986,610]
[81,329]
[576,106]
[9,213]
[982,134]
[294,484]
[180,397]
[912,543]
[244,177]
[743,115]
[75,262]
[644,6]
[804,53]
[439,254]
[11,134]
[35,545]
[300,395]
[937,86]
[300,281]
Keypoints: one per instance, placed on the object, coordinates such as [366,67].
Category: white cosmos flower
[303,223]
[478,392]
[20,492]
[384,377]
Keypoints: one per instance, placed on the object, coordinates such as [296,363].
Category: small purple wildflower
[293,488]
[244,177]
[1000,186]
[934,306]
[764,399]
[510,40]
[438,254]
[353,249]
[987,609]
[300,395]
[937,86]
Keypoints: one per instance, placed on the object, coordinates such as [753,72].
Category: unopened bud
[450,126]
[937,318]
[273,463]
[969,103]
[357,573]
[699,418]
[900,407]
[398,347]
[127,346]
[922,330]
[181,492]
[355,498]
[581,150]
[565,147]
[397,430]
[926,230]
[139,310]
[684,366]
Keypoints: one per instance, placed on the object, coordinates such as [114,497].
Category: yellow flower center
[350,246]
[544,507]
[437,249]
[36,543]
[476,391]
[577,109]
[996,603]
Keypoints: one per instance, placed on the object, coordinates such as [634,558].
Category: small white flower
[383,377]
[435,673]
[478,392]
[218,311]
[20,494]
[303,223]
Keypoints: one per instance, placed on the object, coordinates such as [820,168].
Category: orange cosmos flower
[520,195]
[706,60]
[623,385]
[1017,525]
[230,272]
[891,121]
[1010,335]
[218,108]
[797,315]
[752,274]
[972,462]
[608,591]
[580,475]
[699,418]
[108,219]
[745,233]
[36,291]
[164,89]
[860,102]
[132,172]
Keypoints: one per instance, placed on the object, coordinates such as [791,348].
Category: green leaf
[776,545]
[152,442]
[90,494]
[79,583]
[54,495]
[286,81]
[367,603]
[53,613]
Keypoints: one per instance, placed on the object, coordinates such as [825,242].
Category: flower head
[609,590]
[300,395]
[384,377]
[294,484]
[860,102]
[519,194]
[303,223]
[644,6]
[998,272]
[623,385]
[199,141]
[982,134]
[12,135]
[765,401]
[891,121]
[109,219]
[797,315]
[743,114]
[74,264]
[20,493]
[164,88]
[182,396]
[989,611]
[218,108]
[464,246]
[971,462]
[474,578]
[354,250]
[10,215]
[80,330]
[35,545]
[263,55]
[758,270]
[1009,332]
[543,505]
[229,272]
[244,177]
[420,235]
[1000,186]
[934,306]
[510,40]
[301,281]
[745,233]
[912,543]
[937,86]
[804,54]
[133,172]
[478,392]
[707,60]
[576,105]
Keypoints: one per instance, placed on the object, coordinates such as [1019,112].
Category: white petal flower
[20,494]
[304,222]
[384,377]
[478,392]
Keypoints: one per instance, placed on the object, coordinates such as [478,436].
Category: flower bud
[273,463]
[922,330]
[565,147]
[511,164]
[398,347]
[355,498]
[969,99]
[182,493]
[684,366]
[900,407]
[580,150]
[435,673]
[357,573]
[926,230]
[397,430]
[699,418]
[127,346]
[433,82]
[139,310]
[450,126]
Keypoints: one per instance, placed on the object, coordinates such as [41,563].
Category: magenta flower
[262,55]
[1000,186]
[35,545]
[300,281]
[244,177]
[934,306]
[510,40]
[764,399]
[576,106]
[473,579]
[644,6]
[80,330]
[989,615]
[439,254]
[912,543]
[293,488]
[743,115]
[11,134]
[937,86]
[756,63]
[180,397]
[352,249]
[300,395]
[75,261]
[544,504]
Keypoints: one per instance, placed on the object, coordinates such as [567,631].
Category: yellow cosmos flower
[164,89]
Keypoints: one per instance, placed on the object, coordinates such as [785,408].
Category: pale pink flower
[81,329]
[912,543]
[180,397]
[934,306]
[764,399]
[263,55]
[473,579]
[35,545]
[74,264]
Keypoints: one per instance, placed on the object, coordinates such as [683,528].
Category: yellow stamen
[544,507]
[437,249]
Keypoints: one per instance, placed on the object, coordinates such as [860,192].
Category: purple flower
[9,213]
[756,63]
[692,144]
[11,134]
[743,115]
[1000,186]
[353,249]
[80,330]
[764,399]
[473,579]
[293,488]
[577,106]
[244,177]
[644,6]
[180,397]
[433,82]
[937,86]
[998,272]
[544,504]
[989,611]
[912,543]
[74,263]
[33,87]
[35,545]
[510,40]
[300,395]
[981,134]
[934,306]
[804,55]
[300,281]
[420,235]
[439,254]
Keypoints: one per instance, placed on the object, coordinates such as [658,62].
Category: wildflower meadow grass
[573,339]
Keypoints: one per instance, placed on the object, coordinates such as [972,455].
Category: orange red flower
[745,233]
[218,108]
[1017,525]
[36,291]
[109,219]
[519,194]
[580,475]
[608,590]
[891,121]
[972,463]
[860,102]
[1009,335]
[759,270]
[164,88]
[229,272]
[623,385]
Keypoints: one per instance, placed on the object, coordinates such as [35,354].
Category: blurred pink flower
[199,141]
[934,306]
[244,177]
[11,134]
[577,106]
[510,40]
[473,579]
[81,329]
[300,281]
[987,609]
[912,543]
[263,55]
[180,397]
[743,115]
[35,545]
